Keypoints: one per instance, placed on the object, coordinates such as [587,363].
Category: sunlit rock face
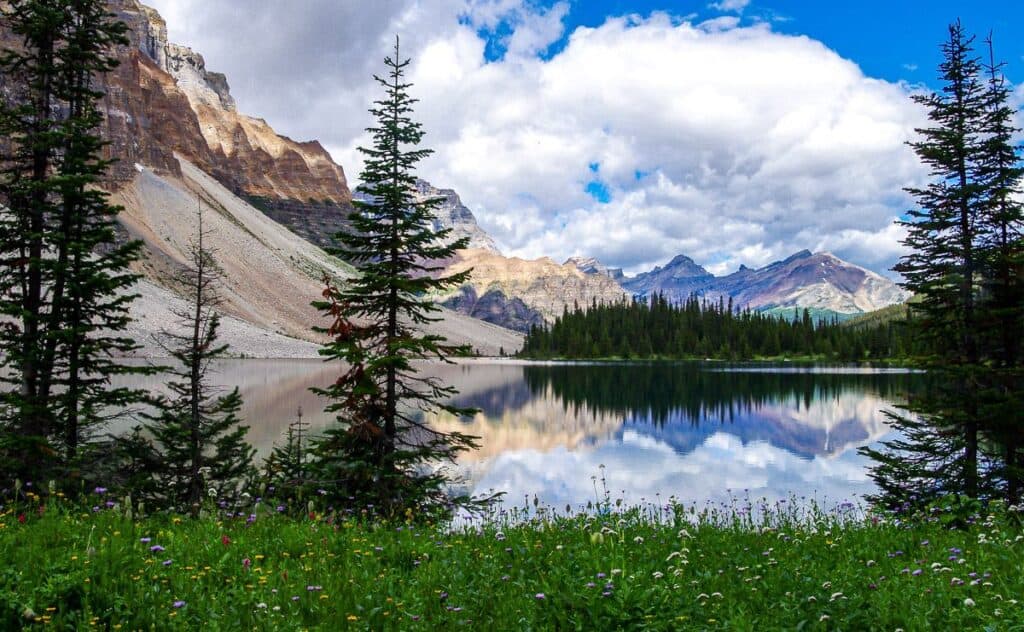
[162,100]
[541,284]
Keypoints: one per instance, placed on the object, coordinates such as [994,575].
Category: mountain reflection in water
[689,430]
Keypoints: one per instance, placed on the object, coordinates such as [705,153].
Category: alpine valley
[272,204]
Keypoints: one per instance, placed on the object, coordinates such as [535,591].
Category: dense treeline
[699,329]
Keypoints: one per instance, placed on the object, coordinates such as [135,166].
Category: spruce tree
[65,284]
[198,445]
[286,469]
[963,437]
[382,455]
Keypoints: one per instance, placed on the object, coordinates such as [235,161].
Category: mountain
[180,143]
[162,102]
[542,286]
[590,265]
[680,277]
[819,281]
[269,275]
[450,214]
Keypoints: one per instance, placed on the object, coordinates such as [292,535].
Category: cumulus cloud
[731,144]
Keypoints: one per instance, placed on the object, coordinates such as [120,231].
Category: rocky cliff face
[590,265]
[162,100]
[495,308]
[452,214]
[820,281]
[542,285]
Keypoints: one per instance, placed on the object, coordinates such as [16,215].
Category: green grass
[642,569]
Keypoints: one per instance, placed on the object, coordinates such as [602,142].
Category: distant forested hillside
[694,329]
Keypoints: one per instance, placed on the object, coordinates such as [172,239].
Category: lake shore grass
[651,568]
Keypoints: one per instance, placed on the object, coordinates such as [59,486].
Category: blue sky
[890,39]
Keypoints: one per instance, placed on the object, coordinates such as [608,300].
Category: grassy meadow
[742,566]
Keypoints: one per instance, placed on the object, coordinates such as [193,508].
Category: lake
[697,432]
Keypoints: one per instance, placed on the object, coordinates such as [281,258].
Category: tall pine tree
[963,437]
[65,285]
[382,454]
[197,441]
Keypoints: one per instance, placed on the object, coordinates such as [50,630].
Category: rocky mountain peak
[590,265]
[805,279]
[683,267]
[454,215]
[161,103]
[450,214]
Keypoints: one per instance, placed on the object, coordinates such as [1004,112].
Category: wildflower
[314,588]
[969,602]
[225,540]
[261,606]
[100,491]
[145,540]
[156,548]
[21,518]
[179,604]
[168,562]
[539,597]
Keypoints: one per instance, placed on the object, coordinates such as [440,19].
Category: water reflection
[692,431]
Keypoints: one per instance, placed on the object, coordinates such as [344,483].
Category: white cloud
[730,5]
[732,145]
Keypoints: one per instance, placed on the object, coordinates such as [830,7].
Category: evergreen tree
[1001,220]
[964,438]
[65,283]
[942,232]
[198,443]
[382,453]
[286,469]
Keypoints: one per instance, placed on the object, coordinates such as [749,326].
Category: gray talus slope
[269,275]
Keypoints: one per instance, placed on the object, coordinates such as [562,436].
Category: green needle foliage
[65,284]
[383,454]
[198,445]
[964,437]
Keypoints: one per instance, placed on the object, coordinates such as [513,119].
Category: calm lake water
[695,431]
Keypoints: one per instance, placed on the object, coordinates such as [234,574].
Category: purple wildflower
[539,597]
[156,548]
[179,604]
